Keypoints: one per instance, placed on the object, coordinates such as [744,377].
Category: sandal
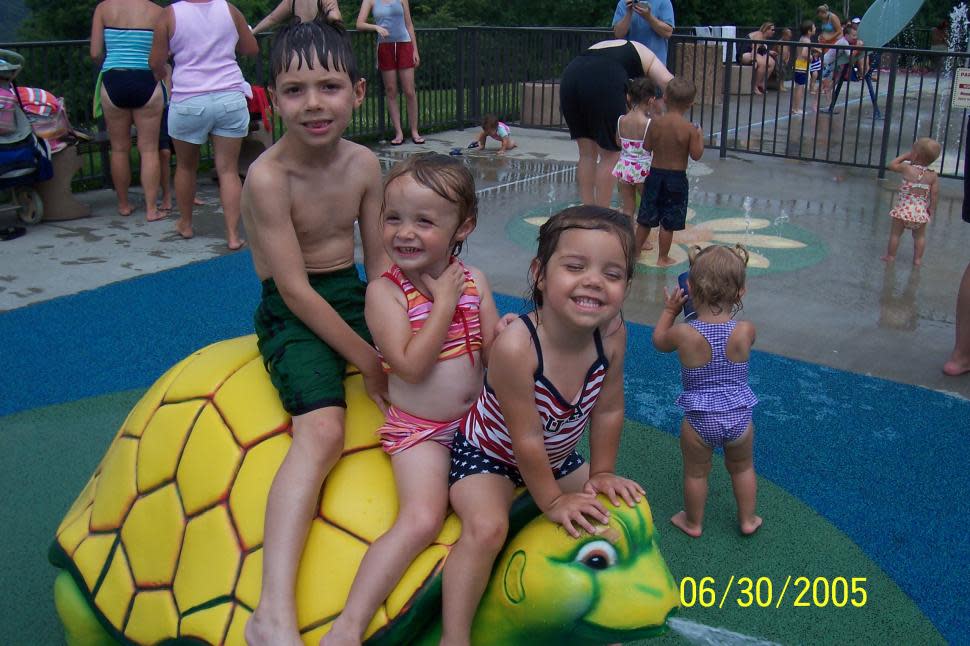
[419,141]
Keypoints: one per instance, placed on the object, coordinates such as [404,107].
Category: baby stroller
[25,158]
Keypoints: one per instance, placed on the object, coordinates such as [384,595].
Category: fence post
[888,115]
[474,94]
[460,81]
[381,106]
[726,99]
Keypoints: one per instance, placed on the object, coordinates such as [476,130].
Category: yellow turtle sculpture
[164,544]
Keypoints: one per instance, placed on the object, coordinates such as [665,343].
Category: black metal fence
[513,73]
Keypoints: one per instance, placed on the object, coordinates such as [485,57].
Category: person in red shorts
[397,57]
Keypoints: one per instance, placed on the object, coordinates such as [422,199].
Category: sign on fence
[961,88]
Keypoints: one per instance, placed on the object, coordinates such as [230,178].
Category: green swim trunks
[307,372]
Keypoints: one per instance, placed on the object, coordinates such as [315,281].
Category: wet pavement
[817,290]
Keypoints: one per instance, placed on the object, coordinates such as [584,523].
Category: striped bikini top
[464,333]
[563,422]
[127,48]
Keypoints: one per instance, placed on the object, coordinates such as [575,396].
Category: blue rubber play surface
[883,462]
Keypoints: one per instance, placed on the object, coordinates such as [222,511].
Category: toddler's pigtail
[741,253]
[692,252]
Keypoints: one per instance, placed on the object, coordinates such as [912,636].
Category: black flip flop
[419,142]
[396,143]
[12,233]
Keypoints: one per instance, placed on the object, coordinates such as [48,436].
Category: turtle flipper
[81,626]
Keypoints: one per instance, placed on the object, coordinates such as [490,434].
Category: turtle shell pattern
[166,538]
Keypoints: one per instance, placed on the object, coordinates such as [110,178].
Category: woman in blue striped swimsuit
[121,34]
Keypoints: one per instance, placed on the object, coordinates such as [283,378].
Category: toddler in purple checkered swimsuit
[717,401]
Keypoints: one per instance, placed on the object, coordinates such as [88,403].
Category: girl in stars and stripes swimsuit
[553,374]
[485,445]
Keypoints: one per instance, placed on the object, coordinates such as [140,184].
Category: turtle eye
[597,555]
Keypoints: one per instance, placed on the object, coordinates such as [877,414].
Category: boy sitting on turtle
[300,202]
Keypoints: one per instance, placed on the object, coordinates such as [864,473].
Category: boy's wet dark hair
[302,41]
[643,89]
[680,93]
[807,27]
[446,176]
[591,218]
[489,122]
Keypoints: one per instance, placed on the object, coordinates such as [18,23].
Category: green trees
[69,19]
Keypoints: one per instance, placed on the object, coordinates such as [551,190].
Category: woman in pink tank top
[208,99]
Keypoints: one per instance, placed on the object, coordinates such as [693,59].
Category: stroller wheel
[31,208]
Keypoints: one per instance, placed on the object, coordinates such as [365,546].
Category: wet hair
[642,89]
[590,218]
[327,41]
[680,92]
[717,276]
[489,122]
[447,177]
[927,149]
[807,27]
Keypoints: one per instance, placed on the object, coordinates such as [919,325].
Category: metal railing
[870,114]
[514,72]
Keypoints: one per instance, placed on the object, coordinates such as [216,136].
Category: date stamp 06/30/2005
[764,592]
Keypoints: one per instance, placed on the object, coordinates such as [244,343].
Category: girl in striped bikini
[432,319]
[550,373]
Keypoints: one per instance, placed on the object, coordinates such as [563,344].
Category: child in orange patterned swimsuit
[432,319]
[918,193]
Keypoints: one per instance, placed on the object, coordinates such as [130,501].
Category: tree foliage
[69,19]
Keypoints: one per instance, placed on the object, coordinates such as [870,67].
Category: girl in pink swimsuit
[549,373]
[432,319]
[918,193]
[633,166]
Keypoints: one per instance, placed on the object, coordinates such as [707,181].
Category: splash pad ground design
[774,245]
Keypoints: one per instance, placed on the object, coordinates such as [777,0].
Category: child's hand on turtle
[574,510]
[615,487]
[674,300]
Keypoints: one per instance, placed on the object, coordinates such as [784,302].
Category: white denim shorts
[223,114]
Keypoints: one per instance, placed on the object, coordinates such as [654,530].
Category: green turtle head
[548,587]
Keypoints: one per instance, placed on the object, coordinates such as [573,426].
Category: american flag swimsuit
[485,446]
[717,400]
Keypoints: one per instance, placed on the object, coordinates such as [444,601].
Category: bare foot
[917,262]
[125,211]
[155,215]
[666,261]
[751,526]
[797,113]
[955,368]
[262,631]
[680,522]
[197,201]
[166,205]
[183,229]
[647,246]
[236,245]
[888,258]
